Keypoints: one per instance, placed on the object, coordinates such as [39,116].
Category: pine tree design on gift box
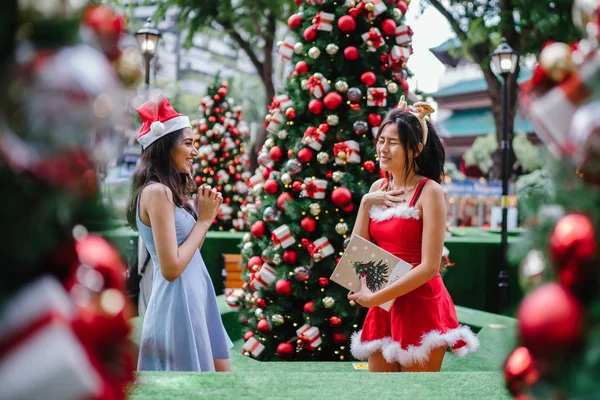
[375,272]
[317,162]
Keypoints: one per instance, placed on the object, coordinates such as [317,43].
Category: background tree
[526,25]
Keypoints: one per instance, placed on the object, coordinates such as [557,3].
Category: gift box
[379,7]
[218,129]
[229,144]
[264,277]
[314,188]
[377,97]
[318,85]
[374,36]
[207,102]
[241,187]
[348,151]
[282,102]
[282,237]
[239,224]
[403,35]
[254,347]
[324,21]
[234,299]
[310,336]
[229,122]
[399,53]
[315,2]
[256,179]
[286,50]
[323,246]
[314,138]
[276,119]
[206,151]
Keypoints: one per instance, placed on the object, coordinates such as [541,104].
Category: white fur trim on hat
[172,125]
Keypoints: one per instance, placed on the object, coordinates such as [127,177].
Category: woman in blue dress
[182,328]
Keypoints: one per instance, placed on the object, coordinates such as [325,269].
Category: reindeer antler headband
[422,110]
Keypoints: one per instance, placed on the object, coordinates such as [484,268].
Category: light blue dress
[182,328]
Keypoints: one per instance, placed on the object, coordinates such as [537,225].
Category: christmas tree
[558,355]
[315,166]
[222,160]
[375,273]
[64,310]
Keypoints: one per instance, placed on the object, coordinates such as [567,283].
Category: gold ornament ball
[323,157]
[204,163]
[328,302]
[332,48]
[277,319]
[318,75]
[397,13]
[315,209]
[337,176]
[333,120]
[286,179]
[350,3]
[369,6]
[282,134]
[298,48]
[392,87]
[341,86]
[352,303]
[317,256]
[369,43]
[130,67]
[341,155]
[341,228]
[209,180]
[555,59]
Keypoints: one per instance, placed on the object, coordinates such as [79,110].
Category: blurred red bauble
[283,199]
[310,307]
[402,6]
[309,224]
[276,153]
[285,350]
[258,229]
[290,257]
[549,319]
[374,119]
[222,92]
[572,241]
[203,128]
[263,326]
[310,34]
[198,180]
[295,21]
[254,261]
[351,53]
[301,68]
[369,165]
[323,281]
[212,119]
[297,186]
[335,321]
[520,371]
[248,335]
[238,177]
[332,100]
[349,208]
[298,2]
[340,338]
[95,252]
[217,97]
[341,196]
[225,84]
[291,153]
[404,86]
[261,303]
[290,113]
[271,186]
[315,106]
[346,24]
[388,26]
[266,173]
[283,287]
[368,78]
[305,155]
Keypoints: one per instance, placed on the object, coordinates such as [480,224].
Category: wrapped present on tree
[239,224]
[233,298]
[275,119]
[323,247]
[241,187]
[377,97]
[282,102]
[315,2]
[313,138]
[282,237]
[318,85]
[399,54]
[310,337]
[207,102]
[225,212]
[403,35]
[323,21]
[229,144]
[229,122]
[264,277]
[373,38]
[379,7]
[253,347]
[206,151]
[348,151]
[256,179]
[218,129]
[286,50]
[314,188]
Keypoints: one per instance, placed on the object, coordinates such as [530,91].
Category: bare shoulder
[376,185]
[157,193]
[433,191]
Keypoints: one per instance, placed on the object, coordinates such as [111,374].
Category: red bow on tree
[378,96]
[310,246]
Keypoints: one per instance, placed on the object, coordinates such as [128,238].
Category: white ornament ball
[323,157]
[392,87]
[350,3]
[304,84]
[314,53]
[315,209]
[282,134]
[269,143]
[341,228]
[328,302]
[555,59]
[228,188]
[332,48]
[258,313]
[341,86]
[286,179]
[397,13]
[298,48]
[337,176]
[247,236]
[333,120]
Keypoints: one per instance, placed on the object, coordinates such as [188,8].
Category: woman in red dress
[405,214]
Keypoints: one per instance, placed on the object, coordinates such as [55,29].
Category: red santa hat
[159,119]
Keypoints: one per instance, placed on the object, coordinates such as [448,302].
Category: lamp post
[147,38]
[504,61]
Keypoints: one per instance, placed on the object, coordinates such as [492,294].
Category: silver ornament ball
[323,157]
[332,48]
[314,53]
[333,120]
[337,176]
[341,86]
[315,209]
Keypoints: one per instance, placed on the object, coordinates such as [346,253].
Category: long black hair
[155,165]
[430,161]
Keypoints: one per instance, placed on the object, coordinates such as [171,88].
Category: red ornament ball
[573,239]
[283,199]
[335,321]
[340,338]
[276,153]
[369,165]
[368,78]
[261,303]
[402,6]
[308,224]
[549,319]
[254,263]
[351,53]
[297,186]
[341,197]
[258,229]
[520,370]
[332,100]
[217,97]
[305,155]
[404,86]
[290,257]
[266,173]
[285,351]
[346,24]
[295,21]
[222,92]
[283,287]
[290,113]
[271,186]
[301,68]
[315,106]
[310,34]
[310,307]
[298,2]
[203,128]
[291,153]
[388,26]
[323,281]
[198,180]
[263,326]
[248,335]
[374,119]
[212,119]
[349,208]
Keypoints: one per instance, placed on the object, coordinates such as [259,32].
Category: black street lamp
[504,63]
[147,38]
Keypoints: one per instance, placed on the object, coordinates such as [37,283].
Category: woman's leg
[434,364]
[222,365]
[377,363]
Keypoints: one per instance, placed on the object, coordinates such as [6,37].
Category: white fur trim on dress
[401,211]
[393,352]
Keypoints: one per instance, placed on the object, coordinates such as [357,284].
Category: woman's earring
[416,167]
